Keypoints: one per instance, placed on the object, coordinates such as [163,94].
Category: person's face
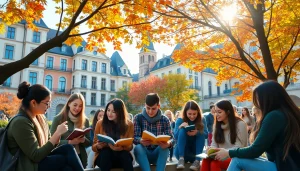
[244,112]
[192,114]
[75,107]
[212,110]
[221,115]
[111,114]
[100,115]
[152,110]
[42,107]
[168,114]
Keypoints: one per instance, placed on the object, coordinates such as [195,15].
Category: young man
[210,122]
[152,120]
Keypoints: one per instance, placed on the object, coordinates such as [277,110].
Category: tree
[122,93]
[108,21]
[9,104]
[258,42]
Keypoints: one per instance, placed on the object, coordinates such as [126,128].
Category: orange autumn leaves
[9,103]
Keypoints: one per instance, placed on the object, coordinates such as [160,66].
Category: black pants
[171,152]
[63,158]
[108,159]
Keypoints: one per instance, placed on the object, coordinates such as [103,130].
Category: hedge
[4,123]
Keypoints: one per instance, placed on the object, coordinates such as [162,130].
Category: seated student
[152,120]
[170,115]
[73,113]
[116,125]
[229,132]
[276,133]
[190,143]
[248,119]
[31,134]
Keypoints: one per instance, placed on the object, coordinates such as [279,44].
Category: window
[94,66]
[178,71]
[111,70]
[196,82]
[226,87]
[84,64]
[93,98]
[103,68]
[49,63]
[9,52]
[112,97]
[170,72]
[74,65]
[83,81]
[48,82]
[218,90]
[36,37]
[83,94]
[94,83]
[209,88]
[190,71]
[95,52]
[33,77]
[149,58]
[190,77]
[63,64]
[141,59]
[35,62]
[124,71]
[7,82]
[112,85]
[103,83]
[102,99]
[11,31]
[64,48]
[73,81]
[153,58]
[62,84]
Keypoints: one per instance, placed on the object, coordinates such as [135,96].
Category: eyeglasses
[47,104]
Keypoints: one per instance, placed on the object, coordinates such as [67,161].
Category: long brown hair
[193,106]
[232,122]
[65,110]
[95,119]
[270,96]
[247,115]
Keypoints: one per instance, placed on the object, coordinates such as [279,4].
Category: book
[120,142]
[208,154]
[159,138]
[189,128]
[78,133]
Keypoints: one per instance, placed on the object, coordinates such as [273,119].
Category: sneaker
[180,164]
[170,160]
[195,166]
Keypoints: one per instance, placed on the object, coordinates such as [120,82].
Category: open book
[208,154]
[159,138]
[121,142]
[189,128]
[78,133]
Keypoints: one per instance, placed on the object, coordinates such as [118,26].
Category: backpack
[8,162]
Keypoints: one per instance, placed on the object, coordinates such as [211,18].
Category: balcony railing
[61,91]
[195,87]
[83,86]
[94,87]
[112,89]
[57,68]
[225,93]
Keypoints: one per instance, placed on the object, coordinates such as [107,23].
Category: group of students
[276,132]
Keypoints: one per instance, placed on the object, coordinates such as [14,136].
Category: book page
[106,139]
[163,138]
[148,136]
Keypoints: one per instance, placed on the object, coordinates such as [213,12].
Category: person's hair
[256,111]
[270,96]
[247,114]
[36,92]
[211,106]
[172,119]
[232,123]
[66,109]
[122,117]
[95,119]
[152,99]
[193,106]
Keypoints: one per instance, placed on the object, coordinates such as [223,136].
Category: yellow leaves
[2,28]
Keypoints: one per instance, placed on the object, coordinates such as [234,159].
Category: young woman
[116,125]
[190,143]
[31,134]
[229,132]
[73,113]
[171,117]
[276,133]
[248,119]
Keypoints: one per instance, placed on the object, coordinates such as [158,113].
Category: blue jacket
[179,121]
[210,122]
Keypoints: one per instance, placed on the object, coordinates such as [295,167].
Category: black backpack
[8,162]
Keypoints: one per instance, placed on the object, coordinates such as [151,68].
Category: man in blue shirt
[210,122]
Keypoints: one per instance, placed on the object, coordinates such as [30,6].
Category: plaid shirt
[161,127]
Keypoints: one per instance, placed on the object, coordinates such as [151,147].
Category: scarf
[42,134]
[75,120]
[153,119]
[225,126]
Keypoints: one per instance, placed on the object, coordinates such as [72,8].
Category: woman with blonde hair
[73,113]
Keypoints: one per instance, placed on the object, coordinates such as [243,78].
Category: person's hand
[192,132]
[101,145]
[184,124]
[221,155]
[145,142]
[207,148]
[115,148]
[62,128]
[77,140]
[164,145]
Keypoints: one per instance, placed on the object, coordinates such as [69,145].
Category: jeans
[63,158]
[257,164]
[146,157]
[194,147]
[108,159]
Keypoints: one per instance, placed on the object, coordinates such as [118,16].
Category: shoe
[180,164]
[195,166]
[170,160]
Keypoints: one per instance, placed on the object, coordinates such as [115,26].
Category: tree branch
[270,20]
[61,14]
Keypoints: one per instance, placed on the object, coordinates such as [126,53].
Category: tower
[147,59]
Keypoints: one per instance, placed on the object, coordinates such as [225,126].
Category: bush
[3,123]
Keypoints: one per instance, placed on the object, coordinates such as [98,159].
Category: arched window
[48,82]
[209,88]
[149,58]
[226,87]
[153,58]
[218,90]
[62,84]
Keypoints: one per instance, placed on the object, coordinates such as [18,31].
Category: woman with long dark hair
[276,133]
[250,121]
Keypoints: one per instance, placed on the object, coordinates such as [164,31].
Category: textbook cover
[208,154]
[189,128]
[78,133]
[160,138]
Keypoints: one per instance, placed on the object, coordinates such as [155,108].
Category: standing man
[210,122]
[152,120]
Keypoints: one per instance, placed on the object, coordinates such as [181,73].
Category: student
[115,124]
[276,133]
[248,119]
[190,143]
[229,132]
[255,112]
[30,133]
[210,122]
[152,120]
[73,113]
[171,117]
[90,153]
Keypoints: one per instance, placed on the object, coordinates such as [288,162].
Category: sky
[129,53]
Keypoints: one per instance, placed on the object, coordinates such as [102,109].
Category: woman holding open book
[190,141]
[73,113]
[229,132]
[116,125]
